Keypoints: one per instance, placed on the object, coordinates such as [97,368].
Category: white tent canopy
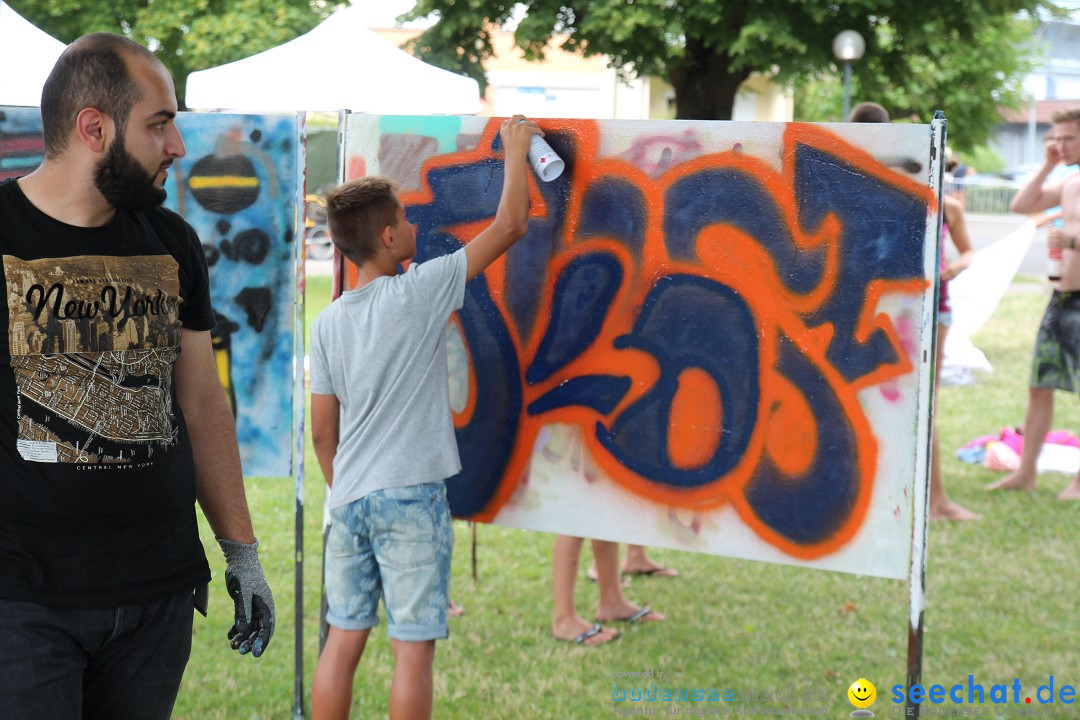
[27,56]
[341,64]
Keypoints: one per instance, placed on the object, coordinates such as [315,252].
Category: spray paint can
[545,161]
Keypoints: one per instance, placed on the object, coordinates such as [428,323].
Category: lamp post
[1035,87]
[848,46]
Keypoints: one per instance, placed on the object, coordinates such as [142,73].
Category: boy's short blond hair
[358,211]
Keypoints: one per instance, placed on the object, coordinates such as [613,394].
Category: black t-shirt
[97,483]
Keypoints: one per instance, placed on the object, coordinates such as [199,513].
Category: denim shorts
[395,544]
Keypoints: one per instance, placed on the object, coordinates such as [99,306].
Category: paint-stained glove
[253,601]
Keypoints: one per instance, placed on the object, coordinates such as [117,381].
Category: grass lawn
[1001,598]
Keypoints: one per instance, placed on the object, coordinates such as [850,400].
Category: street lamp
[848,46]
[1033,85]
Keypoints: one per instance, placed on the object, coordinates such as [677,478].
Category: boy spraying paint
[383,432]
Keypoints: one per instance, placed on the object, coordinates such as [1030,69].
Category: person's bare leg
[566,624]
[637,562]
[331,690]
[412,689]
[1072,491]
[1040,414]
[941,507]
[613,604]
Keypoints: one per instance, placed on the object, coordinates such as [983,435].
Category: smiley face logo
[862,693]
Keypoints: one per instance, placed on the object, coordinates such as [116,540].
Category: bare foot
[651,569]
[638,562]
[576,630]
[949,510]
[627,610]
[455,610]
[1017,480]
[1072,492]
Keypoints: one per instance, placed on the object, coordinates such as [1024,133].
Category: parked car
[1020,174]
[316,231]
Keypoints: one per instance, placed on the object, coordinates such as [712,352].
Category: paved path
[987,229]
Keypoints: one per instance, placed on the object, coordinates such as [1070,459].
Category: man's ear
[94,128]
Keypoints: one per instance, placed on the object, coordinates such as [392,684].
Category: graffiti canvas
[21,146]
[237,186]
[714,337]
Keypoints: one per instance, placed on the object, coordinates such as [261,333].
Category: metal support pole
[298,417]
[1033,155]
[847,90]
[921,509]
[338,288]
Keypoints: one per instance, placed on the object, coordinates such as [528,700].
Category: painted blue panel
[237,187]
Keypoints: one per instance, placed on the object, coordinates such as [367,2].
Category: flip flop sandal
[593,632]
[638,616]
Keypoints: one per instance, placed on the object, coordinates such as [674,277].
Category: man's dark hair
[92,72]
[358,211]
[869,112]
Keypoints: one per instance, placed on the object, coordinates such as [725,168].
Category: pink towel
[1012,438]
[1063,437]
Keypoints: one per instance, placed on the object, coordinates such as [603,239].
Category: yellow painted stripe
[200,182]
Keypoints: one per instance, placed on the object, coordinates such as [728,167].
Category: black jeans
[121,663]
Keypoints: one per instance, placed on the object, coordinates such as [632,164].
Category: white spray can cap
[547,164]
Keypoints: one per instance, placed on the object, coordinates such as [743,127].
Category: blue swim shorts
[395,544]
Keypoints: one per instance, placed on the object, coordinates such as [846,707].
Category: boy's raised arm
[512,216]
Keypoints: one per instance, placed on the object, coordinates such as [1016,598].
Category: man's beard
[124,183]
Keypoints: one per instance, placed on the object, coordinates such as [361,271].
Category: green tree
[707,48]
[187,35]
[971,79]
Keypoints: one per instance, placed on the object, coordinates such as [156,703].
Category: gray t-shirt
[381,350]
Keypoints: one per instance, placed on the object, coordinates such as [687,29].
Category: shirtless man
[1056,363]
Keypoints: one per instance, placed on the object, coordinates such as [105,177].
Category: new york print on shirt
[93,340]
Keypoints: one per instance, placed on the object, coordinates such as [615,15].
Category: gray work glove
[253,601]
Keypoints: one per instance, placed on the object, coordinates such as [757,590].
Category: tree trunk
[705,85]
